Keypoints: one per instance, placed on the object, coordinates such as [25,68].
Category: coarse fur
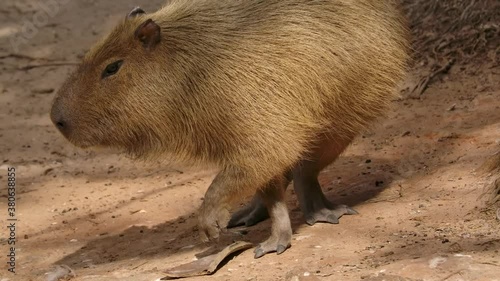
[246,85]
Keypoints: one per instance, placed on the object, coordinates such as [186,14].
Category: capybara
[267,91]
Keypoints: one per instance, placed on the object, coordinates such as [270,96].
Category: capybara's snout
[59,119]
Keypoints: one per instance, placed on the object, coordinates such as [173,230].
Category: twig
[459,272]
[28,67]
[50,62]
[489,263]
[136,267]
[443,43]
[22,56]
[420,88]
[464,13]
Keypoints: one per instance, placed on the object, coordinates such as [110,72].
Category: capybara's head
[108,100]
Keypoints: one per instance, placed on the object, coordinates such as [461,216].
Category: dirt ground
[413,178]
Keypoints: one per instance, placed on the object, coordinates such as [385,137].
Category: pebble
[43,90]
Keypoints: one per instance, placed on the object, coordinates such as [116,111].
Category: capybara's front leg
[227,187]
[273,196]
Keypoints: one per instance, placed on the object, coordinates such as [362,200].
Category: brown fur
[249,86]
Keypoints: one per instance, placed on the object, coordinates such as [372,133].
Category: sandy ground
[412,178]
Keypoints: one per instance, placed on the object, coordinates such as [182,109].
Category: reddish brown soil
[412,178]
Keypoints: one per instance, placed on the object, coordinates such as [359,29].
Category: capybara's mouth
[92,146]
[81,142]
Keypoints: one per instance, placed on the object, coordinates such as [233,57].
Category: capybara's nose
[60,125]
[58,119]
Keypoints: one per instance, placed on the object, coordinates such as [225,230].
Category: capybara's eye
[112,68]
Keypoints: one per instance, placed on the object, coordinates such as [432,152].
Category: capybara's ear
[135,11]
[149,33]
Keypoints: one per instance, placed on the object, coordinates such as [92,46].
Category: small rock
[301,237]
[455,248]
[390,253]
[435,262]
[43,90]
[242,232]
[187,247]
[46,172]
[59,273]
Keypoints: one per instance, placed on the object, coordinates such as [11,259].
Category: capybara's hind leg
[312,201]
[251,214]
[314,205]
[254,212]
[273,196]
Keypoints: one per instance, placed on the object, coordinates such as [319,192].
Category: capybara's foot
[211,221]
[278,242]
[314,205]
[281,235]
[328,214]
[273,196]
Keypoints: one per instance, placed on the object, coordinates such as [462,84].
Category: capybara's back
[266,90]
